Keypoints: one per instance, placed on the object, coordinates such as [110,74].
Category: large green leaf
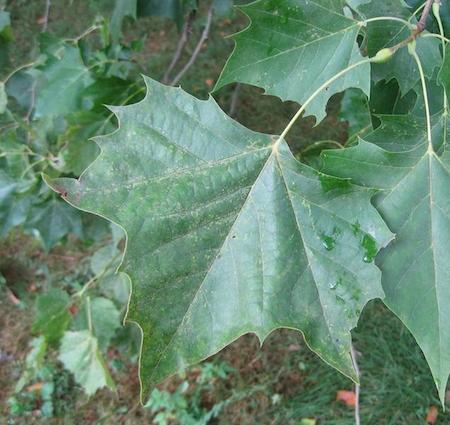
[292,47]
[415,203]
[228,234]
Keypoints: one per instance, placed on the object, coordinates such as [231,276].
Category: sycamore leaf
[292,47]
[33,362]
[105,320]
[122,9]
[381,34]
[444,73]
[54,220]
[415,203]
[355,109]
[65,73]
[52,314]
[15,201]
[173,9]
[228,234]
[80,355]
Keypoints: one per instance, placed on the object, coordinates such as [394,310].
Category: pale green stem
[437,15]
[418,10]
[413,53]
[441,37]
[27,65]
[82,35]
[97,277]
[314,95]
[88,312]
[31,166]
[320,143]
[386,18]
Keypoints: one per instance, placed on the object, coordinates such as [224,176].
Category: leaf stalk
[413,53]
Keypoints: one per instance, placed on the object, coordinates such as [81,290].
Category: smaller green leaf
[80,355]
[54,220]
[52,314]
[117,287]
[172,9]
[15,202]
[64,77]
[292,47]
[107,257]
[3,98]
[5,26]
[105,320]
[122,9]
[33,362]
[355,110]
[222,7]
[21,87]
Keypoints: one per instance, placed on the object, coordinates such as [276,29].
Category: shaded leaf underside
[228,235]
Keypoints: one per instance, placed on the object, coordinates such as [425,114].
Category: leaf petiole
[88,313]
[386,18]
[314,95]
[413,53]
[440,36]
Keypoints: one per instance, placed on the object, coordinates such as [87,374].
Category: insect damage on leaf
[225,235]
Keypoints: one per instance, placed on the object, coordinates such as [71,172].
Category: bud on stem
[383,55]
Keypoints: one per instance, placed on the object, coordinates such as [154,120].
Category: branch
[234,100]
[45,18]
[419,28]
[199,46]
[423,19]
[357,386]
[187,30]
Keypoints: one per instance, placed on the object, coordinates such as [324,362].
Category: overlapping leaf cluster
[49,109]
[229,234]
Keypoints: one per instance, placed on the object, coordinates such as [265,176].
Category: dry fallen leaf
[348,397]
[432,415]
[35,387]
